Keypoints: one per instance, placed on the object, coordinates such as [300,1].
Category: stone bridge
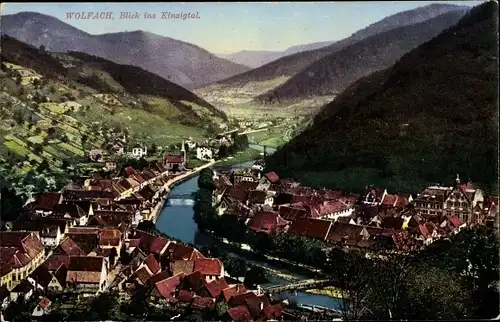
[298,285]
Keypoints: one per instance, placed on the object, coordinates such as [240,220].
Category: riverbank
[330,291]
[172,183]
[241,157]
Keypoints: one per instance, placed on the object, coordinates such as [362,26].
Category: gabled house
[75,212]
[257,197]
[24,290]
[268,222]
[373,196]
[210,268]
[42,308]
[204,153]
[174,162]
[22,251]
[45,203]
[88,274]
[139,151]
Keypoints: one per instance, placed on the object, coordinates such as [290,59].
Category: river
[176,220]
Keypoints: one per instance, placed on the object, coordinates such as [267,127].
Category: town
[85,239]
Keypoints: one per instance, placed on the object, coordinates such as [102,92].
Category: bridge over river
[298,285]
[181,200]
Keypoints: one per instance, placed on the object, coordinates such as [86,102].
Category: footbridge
[298,285]
[181,200]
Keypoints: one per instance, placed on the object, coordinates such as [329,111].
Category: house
[88,274]
[43,308]
[40,278]
[333,209]
[22,251]
[459,200]
[79,212]
[210,268]
[50,230]
[166,288]
[6,275]
[243,175]
[204,153]
[110,166]
[24,290]
[4,297]
[309,227]
[95,155]
[267,222]
[258,197]
[270,177]
[175,162]
[139,151]
[45,203]
[239,314]
[373,196]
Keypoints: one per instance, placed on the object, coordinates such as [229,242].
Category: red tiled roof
[5,269]
[85,263]
[208,266]
[143,274]
[215,287]
[331,207]
[167,287]
[174,159]
[455,221]
[233,290]
[201,303]
[240,299]
[152,264]
[71,248]
[292,213]
[272,176]
[314,228]
[23,287]
[257,196]
[47,200]
[265,221]
[44,303]
[273,312]
[185,296]
[150,243]
[194,281]
[184,266]
[239,313]
[341,231]
[423,230]
[179,251]
[129,171]
[163,275]
[389,200]
[41,276]
[54,261]
[25,242]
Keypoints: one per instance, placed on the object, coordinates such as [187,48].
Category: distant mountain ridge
[431,115]
[333,73]
[256,58]
[180,62]
[292,64]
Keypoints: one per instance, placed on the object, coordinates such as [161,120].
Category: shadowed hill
[134,80]
[180,62]
[292,64]
[333,73]
[430,116]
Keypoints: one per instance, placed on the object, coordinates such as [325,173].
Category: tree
[112,257]
[255,276]
[42,48]
[221,308]
[44,165]
[205,179]
[18,80]
[153,149]
[223,151]
[37,148]
[235,266]
[147,225]
[84,139]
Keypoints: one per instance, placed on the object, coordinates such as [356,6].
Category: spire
[457,180]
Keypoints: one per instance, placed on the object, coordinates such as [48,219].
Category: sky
[232,27]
